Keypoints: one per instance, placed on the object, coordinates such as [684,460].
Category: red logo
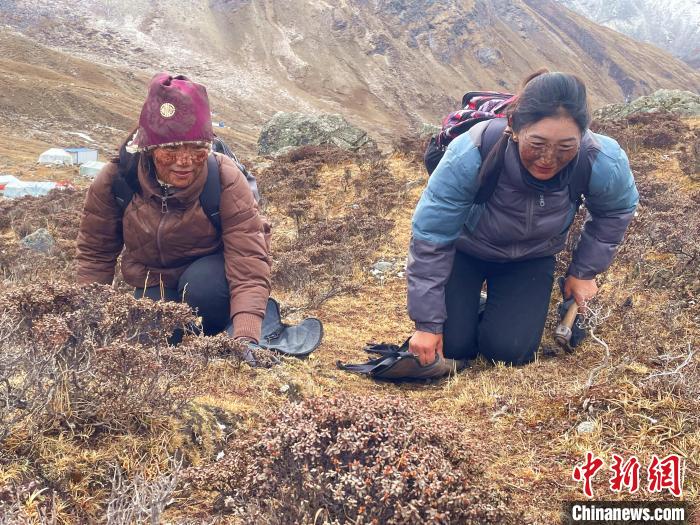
[662,474]
[625,474]
[665,474]
[586,471]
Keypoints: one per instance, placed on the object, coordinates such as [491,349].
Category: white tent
[5,180]
[91,169]
[56,156]
[82,155]
[20,188]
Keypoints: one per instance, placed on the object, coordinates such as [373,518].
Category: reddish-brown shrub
[649,130]
[96,360]
[354,459]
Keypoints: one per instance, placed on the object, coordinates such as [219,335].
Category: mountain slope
[673,25]
[387,65]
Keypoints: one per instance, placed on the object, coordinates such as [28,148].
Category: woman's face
[179,166]
[548,145]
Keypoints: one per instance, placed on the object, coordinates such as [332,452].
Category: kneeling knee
[508,350]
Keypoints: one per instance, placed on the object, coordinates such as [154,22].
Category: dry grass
[519,423]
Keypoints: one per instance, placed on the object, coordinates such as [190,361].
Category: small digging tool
[562,333]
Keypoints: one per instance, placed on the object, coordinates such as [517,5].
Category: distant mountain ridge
[386,65]
[673,25]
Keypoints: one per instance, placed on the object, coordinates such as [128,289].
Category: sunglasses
[183,153]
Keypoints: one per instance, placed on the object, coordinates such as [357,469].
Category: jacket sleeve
[245,252]
[611,202]
[437,222]
[100,236]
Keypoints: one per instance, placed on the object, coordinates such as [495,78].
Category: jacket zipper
[530,214]
[163,215]
[541,200]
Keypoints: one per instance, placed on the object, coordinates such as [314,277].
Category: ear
[509,129]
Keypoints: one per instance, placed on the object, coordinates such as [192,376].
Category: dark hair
[543,95]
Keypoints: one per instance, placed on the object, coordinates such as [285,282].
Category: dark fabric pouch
[398,364]
[297,340]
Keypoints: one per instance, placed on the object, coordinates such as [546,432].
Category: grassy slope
[524,419]
[520,421]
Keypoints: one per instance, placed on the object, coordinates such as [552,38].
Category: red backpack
[477,106]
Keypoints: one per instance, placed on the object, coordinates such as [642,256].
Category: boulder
[286,131]
[428,130]
[488,56]
[684,103]
[40,241]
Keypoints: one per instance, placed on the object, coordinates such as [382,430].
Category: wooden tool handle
[570,316]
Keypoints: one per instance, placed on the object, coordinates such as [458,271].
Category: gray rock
[382,266]
[40,241]
[428,130]
[684,103]
[286,131]
[488,56]
[585,427]
[393,268]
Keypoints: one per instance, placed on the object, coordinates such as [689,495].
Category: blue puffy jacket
[523,219]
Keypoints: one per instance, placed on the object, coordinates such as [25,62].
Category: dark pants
[204,287]
[516,309]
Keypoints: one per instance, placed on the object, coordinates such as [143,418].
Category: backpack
[479,106]
[126,184]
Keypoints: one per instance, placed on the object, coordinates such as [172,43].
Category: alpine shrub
[353,459]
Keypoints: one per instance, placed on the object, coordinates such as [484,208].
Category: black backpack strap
[210,198]
[126,183]
[123,193]
[491,135]
[219,146]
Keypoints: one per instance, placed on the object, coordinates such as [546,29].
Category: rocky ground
[101,420]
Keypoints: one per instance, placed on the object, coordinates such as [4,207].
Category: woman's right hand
[426,346]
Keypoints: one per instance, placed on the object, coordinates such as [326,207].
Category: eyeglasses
[183,153]
[545,147]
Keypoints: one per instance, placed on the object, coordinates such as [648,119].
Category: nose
[184,159]
[547,156]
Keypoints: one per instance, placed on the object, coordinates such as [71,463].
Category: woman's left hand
[582,289]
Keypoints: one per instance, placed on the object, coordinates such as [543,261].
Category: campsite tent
[82,155]
[5,180]
[56,156]
[20,188]
[91,168]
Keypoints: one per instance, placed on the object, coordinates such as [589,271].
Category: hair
[542,94]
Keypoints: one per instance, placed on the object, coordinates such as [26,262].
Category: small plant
[411,146]
[141,500]
[354,459]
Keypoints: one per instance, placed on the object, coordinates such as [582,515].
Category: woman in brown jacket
[171,249]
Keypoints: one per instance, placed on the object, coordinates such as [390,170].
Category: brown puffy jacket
[158,246]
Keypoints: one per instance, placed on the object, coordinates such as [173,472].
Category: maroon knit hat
[176,111]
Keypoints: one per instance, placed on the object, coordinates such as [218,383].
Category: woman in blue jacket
[510,241]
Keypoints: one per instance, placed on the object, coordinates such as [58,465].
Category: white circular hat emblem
[167,110]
